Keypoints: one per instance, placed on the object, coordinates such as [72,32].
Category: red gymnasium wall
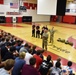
[19,19]
[69,19]
[8,19]
[65,19]
[1,1]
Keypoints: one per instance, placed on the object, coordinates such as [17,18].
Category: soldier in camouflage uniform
[45,39]
[52,31]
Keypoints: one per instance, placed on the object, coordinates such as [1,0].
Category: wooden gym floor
[59,49]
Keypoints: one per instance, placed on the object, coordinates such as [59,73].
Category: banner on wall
[13,13]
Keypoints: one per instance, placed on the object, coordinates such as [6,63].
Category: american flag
[14,5]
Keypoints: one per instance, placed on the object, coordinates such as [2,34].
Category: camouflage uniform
[52,35]
[44,40]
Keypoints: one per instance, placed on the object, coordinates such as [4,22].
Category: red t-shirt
[38,61]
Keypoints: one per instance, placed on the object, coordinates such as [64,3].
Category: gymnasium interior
[18,16]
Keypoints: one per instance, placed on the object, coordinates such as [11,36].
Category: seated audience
[27,62]
[67,69]
[28,56]
[7,41]
[5,49]
[34,49]
[38,59]
[10,54]
[58,60]
[45,66]
[24,49]
[30,69]
[8,66]
[55,70]
[1,63]
[18,46]
[29,47]
[19,62]
[2,42]
[41,54]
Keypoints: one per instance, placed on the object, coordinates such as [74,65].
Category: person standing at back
[52,31]
[45,39]
[33,30]
[37,31]
[46,27]
[42,31]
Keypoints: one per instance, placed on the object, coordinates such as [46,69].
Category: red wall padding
[69,19]
[19,19]
[65,19]
[1,1]
[8,19]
